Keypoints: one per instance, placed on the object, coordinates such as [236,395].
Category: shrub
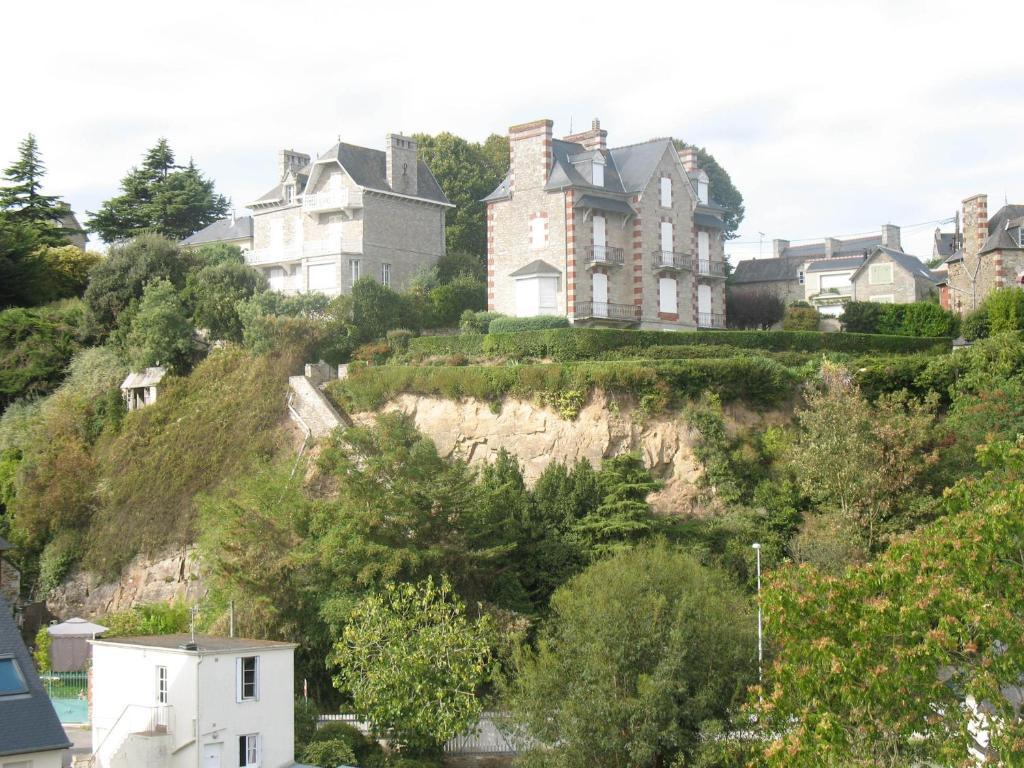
[36,346]
[449,300]
[161,333]
[376,352]
[975,326]
[376,309]
[149,619]
[520,324]
[328,753]
[754,310]
[305,716]
[861,316]
[214,292]
[1005,310]
[41,654]
[800,319]
[398,340]
[923,318]
[57,558]
[890,319]
[477,322]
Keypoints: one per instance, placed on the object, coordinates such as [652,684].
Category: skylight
[11,680]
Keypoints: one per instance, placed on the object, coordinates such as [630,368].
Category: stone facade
[591,219]
[991,256]
[896,284]
[352,213]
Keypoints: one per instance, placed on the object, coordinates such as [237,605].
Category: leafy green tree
[22,200]
[1005,310]
[119,279]
[376,309]
[449,300]
[722,190]
[640,650]
[161,333]
[858,459]
[214,292]
[753,310]
[22,269]
[161,197]
[467,173]
[878,667]
[67,269]
[36,346]
[413,662]
[456,263]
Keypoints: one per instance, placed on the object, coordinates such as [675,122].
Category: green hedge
[751,379]
[567,344]
[521,324]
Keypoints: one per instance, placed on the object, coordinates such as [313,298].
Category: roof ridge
[639,143]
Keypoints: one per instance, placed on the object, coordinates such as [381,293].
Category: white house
[30,734]
[167,701]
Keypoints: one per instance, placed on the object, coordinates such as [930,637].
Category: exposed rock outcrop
[175,576]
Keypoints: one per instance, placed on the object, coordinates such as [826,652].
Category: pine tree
[162,197]
[22,200]
[623,517]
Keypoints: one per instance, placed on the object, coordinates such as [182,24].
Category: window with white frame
[161,685]
[385,275]
[702,190]
[538,232]
[800,277]
[353,270]
[1020,237]
[247,678]
[249,750]
[598,172]
[289,193]
[666,192]
[882,298]
[880,274]
[668,298]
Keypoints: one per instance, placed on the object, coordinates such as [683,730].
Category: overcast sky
[832,118]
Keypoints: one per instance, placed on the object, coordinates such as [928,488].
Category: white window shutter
[668,302]
[256,679]
[666,192]
[666,236]
[238,678]
[548,302]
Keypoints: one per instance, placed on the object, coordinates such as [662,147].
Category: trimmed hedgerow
[469,344]
[521,324]
[752,379]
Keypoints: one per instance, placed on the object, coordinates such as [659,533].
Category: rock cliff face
[146,580]
[537,435]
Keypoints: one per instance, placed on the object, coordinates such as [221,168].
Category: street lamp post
[760,648]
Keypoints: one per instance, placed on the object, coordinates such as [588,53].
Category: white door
[599,239]
[527,297]
[704,251]
[600,294]
[211,755]
[704,305]
[548,300]
[666,237]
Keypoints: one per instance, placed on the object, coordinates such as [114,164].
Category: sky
[832,118]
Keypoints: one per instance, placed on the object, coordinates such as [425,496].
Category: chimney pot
[688,157]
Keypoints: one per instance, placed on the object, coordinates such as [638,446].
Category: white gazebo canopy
[76,627]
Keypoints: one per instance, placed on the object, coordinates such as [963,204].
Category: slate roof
[368,169]
[1003,215]
[612,205]
[707,220]
[910,263]
[27,720]
[1000,240]
[766,270]
[238,228]
[205,643]
[536,267]
[944,243]
[829,265]
[955,257]
[500,192]
[855,245]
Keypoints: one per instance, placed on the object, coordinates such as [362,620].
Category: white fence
[487,738]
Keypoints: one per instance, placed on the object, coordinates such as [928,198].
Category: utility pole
[760,645]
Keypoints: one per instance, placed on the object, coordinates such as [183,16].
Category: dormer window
[289,192]
[1020,237]
[598,166]
[702,190]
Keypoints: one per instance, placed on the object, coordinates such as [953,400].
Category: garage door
[323,277]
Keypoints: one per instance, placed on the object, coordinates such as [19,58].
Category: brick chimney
[400,163]
[778,247]
[595,138]
[832,246]
[290,160]
[975,224]
[529,147]
[688,157]
[891,237]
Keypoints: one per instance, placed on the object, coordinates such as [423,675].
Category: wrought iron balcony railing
[671,261]
[606,310]
[710,320]
[710,268]
[602,254]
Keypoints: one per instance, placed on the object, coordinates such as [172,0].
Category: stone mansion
[620,236]
[352,212]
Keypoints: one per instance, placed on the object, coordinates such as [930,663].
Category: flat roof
[205,643]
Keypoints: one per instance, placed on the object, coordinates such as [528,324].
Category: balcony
[309,249]
[605,310]
[831,297]
[606,255]
[710,320]
[671,261]
[332,200]
[711,269]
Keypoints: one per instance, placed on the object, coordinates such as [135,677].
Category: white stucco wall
[50,759]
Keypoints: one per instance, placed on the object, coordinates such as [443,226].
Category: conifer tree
[22,200]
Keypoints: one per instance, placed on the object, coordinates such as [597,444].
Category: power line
[947,220]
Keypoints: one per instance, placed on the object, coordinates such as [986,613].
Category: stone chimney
[595,138]
[400,164]
[778,247]
[891,237]
[688,157]
[832,246]
[975,224]
[529,148]
[290,160]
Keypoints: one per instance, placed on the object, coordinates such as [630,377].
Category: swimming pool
[71,710]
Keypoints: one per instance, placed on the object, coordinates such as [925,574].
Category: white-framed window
[249,750]
[666,236]
[880,274]
[161,685]
[247,678]
[385,274]
[702,190]
[289,193]
[1020,237]
[538,232]
[668,298]
[800,277]
[704,249]
[353,270]
[598,172]
[882,298]
[666,192]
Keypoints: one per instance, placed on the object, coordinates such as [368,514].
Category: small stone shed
[139,388]
[69,646]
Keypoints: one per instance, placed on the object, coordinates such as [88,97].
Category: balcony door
[666,241]
[600,239]
[704,304]
[704,252]
[600,294]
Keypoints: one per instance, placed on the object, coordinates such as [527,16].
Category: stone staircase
[307,404]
